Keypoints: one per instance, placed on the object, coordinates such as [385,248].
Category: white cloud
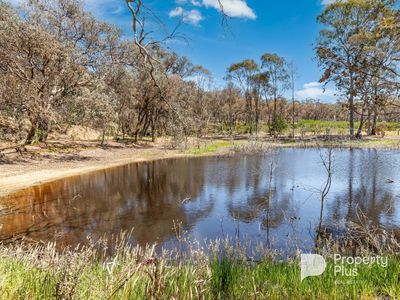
[314,90]
[176,12]
[192,17]
[232,8]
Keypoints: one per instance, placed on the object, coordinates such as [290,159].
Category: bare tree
[327,162]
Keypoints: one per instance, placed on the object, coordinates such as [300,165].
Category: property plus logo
[345,266]
[312,265]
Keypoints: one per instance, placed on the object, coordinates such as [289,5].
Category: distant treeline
[60,66]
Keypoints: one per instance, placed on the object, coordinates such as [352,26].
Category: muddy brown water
[212,197]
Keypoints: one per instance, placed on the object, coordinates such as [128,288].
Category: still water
[212,197]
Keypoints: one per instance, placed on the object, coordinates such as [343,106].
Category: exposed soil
[25,166]
[34,165]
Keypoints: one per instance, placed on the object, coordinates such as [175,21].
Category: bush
[279,125]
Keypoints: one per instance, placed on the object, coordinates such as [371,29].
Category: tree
[260,83]
[275,68]
[201,113]
[378,74]
[40,66]
[354,48]
[244,73]
[52,50]
[293,75]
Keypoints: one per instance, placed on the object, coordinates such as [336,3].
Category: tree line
[60,66]
[359,50]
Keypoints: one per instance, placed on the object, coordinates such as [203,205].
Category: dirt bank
[37,165]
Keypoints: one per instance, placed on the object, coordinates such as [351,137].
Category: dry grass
[221,270]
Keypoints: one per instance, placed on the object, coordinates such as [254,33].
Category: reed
[219,270]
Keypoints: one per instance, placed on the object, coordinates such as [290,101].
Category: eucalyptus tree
[276,69]
[355,50]
[227,108]
[232,106]
[244,73]
[92,43]
[336,52]
[380,61]
[40,66]
[260,83]
[54,51]
[201,110]
[293,76]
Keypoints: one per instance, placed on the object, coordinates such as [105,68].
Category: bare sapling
[327,162]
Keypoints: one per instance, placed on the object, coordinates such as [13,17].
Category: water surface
[211,197]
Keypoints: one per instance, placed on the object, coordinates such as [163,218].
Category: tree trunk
[249,113]
[274,115]
[375,112]
[153,131]
[31,133]
[103,134]
[360,128]
[136,136]
[369,122]
[351,115]
[257,116]
[374,121]
[43,127]
[293,120]
[351,105]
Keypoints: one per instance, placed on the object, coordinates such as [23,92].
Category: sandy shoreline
[28,173]
[39,166]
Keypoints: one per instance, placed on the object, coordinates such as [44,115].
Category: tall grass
[219,271]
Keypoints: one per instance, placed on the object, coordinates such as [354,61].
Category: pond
[212,197]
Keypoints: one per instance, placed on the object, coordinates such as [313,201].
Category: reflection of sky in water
[300,172]
[226,195]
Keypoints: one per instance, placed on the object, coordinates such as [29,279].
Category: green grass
[237,280]
[314,127]
[337,127]
[364,143]
[212,147]
[225,272]
[214,278]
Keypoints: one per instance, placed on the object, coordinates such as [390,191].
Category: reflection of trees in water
[146,196]
[256,208]
[367,197]
[266,198]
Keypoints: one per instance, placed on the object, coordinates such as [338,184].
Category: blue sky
[288,28]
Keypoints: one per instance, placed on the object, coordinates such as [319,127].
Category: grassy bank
[390,144]
[314,127]
[40,272]
[213,147]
